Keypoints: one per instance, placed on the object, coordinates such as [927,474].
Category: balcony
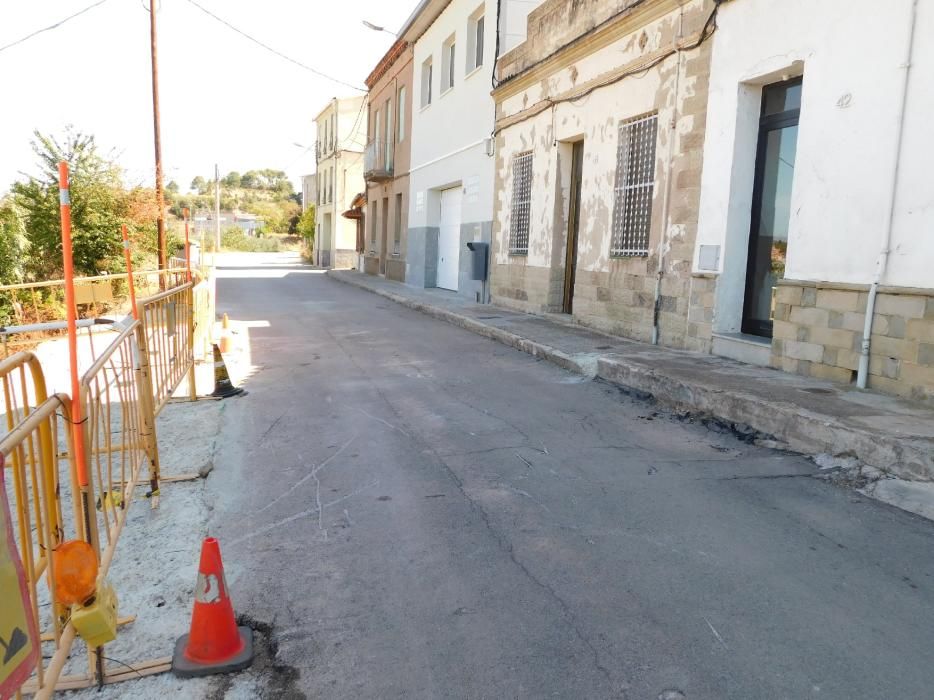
[377,161]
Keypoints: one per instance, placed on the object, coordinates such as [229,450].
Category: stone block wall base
[819,328]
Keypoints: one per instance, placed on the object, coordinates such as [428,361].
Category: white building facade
[451,173]
[341,131]
[816,198]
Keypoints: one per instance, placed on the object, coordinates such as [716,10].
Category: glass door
[771,203]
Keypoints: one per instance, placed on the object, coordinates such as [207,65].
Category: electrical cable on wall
[708,30]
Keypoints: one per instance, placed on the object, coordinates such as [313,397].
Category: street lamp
[377,28]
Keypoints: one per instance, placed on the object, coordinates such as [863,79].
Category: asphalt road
[418,512]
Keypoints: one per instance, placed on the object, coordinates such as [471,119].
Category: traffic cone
[223,387]
[225,341]
[215,644]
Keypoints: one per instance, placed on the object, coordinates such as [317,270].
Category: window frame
[400,96]
[448,63]
[390,134]
[520,207]
[476,38]
[427,78]
[627,241]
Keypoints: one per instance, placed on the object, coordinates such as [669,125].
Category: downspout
[862,375]
[667,196]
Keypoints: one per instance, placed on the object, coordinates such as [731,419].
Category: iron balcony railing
[377,160]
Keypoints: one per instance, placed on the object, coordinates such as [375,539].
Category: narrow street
[419,512]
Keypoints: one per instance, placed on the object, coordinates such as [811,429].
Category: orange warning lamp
[75,576]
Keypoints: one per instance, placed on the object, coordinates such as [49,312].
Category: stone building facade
[600,127]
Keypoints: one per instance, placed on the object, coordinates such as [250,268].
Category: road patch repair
[879,444]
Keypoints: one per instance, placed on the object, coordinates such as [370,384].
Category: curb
[803,431]
[586,367]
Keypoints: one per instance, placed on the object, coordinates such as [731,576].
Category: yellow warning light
[75,567]
[96,620]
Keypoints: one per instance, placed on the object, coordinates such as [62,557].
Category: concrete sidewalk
[842,425]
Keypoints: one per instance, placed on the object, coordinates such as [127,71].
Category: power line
[272,50]
[52,26]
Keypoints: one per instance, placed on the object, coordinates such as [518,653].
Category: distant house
[339,150]
[250,223]
[386,162]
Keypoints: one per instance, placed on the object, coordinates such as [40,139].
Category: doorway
[384,230]
[570,260]
[449,238]
[771,203]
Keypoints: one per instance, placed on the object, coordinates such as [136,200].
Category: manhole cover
[603,347]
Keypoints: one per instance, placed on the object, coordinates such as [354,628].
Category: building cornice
[386,62]
[620,25]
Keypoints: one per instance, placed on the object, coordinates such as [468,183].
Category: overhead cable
[275,51]
[52,26]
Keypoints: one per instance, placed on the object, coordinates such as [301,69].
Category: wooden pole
[157,142]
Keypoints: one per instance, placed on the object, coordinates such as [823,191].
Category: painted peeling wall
[596,119]
[851,56]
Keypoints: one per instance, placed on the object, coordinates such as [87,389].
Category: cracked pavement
[420,512]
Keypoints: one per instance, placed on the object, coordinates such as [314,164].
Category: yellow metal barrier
[119,427]
[166,341]
[44,521]
[23,386]
[204,315]
[119,438]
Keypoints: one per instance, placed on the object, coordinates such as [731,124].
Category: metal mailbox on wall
[479,260]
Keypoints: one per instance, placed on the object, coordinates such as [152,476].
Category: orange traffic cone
[215,644]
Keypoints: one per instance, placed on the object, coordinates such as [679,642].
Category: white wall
[447,136]
[851,56]
[512,23]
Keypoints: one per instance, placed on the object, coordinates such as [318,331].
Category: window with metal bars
[521,203]
[635,185]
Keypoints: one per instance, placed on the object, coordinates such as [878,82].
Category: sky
[223,99]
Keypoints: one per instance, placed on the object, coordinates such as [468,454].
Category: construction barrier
[43,520]
[29,301]
[204,294]
[23,385]
[51,506]
[167,341]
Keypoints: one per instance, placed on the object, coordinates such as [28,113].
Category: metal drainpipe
[862,374]
[667,197]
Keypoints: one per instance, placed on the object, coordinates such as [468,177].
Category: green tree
[172,187]
[199,185]
[306,225]
[12,242]
[98,206]
[232,179]
[250,180]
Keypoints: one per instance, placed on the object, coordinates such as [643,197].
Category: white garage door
[449,238]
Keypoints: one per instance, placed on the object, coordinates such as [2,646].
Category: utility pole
[157,140]
[217,210]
